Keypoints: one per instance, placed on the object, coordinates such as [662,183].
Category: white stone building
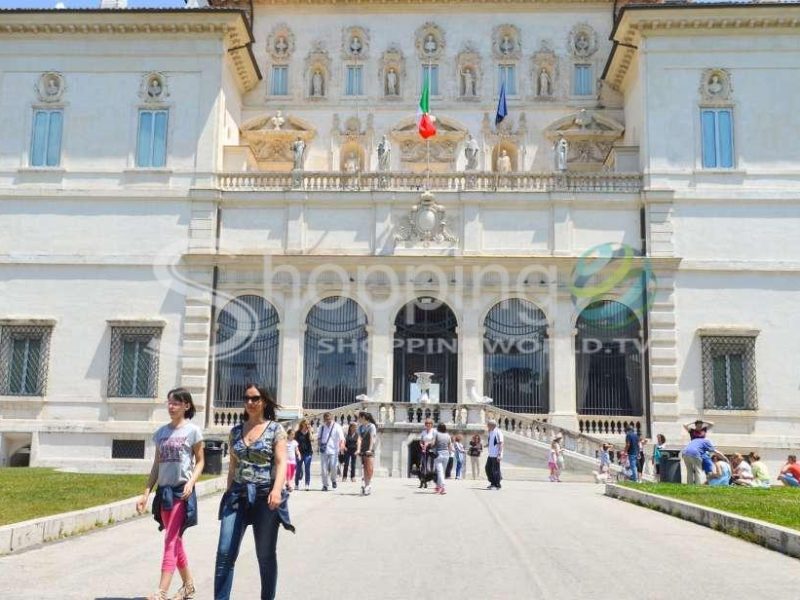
[154,160]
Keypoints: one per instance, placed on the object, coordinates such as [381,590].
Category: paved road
[532,540]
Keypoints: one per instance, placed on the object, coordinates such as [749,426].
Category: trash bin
[213,456]
[670,466]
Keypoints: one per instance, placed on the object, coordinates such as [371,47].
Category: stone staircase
[527,438]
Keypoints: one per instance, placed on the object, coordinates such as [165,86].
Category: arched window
[515,357]
[425,340]
[246,349]
[336,354]
[608,360]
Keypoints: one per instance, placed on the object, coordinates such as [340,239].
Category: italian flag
[427,128]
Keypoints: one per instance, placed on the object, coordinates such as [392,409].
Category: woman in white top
[427,454]
[367,436]
[553,461]
[444,447]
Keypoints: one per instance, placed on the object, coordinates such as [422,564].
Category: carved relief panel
[153,88]
[715,88]
[582,42]
[50,87]
[430,42]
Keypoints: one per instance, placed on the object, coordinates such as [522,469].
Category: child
[292,454]
[601,475]
[552,460]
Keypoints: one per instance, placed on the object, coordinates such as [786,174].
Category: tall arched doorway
[425,340]
[335,358]
[515,357]
[608,360]
[246,350]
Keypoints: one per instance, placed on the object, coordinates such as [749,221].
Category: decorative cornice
[229,24]
[640,21]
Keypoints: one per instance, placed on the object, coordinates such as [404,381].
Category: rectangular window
[151,151]
[729,379]
[24,355]
[133,370]
[46,138]
[508,74]
[582,84]
[431,74]
[717,132]
[354,86]
[280,80]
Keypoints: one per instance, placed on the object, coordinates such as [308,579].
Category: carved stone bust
[50,87]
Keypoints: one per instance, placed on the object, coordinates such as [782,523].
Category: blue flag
[502,109]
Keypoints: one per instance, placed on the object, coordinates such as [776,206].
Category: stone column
[381,334]
[470,350]
[292,337]
[561,337]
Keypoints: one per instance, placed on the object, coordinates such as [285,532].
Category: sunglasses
[253,399]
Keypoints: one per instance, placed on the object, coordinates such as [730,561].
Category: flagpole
[428,141]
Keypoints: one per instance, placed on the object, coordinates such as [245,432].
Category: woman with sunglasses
[255,493]
[179,444]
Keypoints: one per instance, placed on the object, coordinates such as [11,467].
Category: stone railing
[445,182]
[607,426]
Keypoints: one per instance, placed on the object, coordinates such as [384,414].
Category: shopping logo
[617,273]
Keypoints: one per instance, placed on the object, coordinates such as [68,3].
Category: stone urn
[424,380]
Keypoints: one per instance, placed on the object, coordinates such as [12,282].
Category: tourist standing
[475,450]
[350,448]
[553,457]
[427,454]
[693,455]
[495,443]
[292,454]
[632,450]
[331,444]
[461,457]
[661,441]
[176,467]
[367,437]
[306,447]
[255,494]
[444,448]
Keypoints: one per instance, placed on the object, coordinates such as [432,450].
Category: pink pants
[174,555]
[290,469]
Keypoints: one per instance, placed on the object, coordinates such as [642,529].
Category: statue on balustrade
[562,148]
[384,154]
[298,153]
[504,162]
[471,153]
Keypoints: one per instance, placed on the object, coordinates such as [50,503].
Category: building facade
[204,197]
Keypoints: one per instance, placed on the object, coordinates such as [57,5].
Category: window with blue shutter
[717,132]
[151,149]
[46,138]
[582,84]
[354,85]
[280,80]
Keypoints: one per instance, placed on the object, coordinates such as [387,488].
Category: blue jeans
[235,515]
[303,467]
[789,480]
[633,461]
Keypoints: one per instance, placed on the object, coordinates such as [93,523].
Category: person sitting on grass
[790,472]
[721,475]
[761,476]
[742,471]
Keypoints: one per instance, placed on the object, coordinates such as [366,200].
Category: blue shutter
[280,81]
[39,140]
[145,143]
[54,138]
[709,122]
[725,128]
[46,138]
[160,139]
[508,74]
[582,80]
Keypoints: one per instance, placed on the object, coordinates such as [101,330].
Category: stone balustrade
[445,182]
[607,426]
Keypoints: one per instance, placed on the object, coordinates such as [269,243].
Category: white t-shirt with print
[174,448]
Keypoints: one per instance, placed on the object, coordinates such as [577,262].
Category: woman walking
[179,444]
[461,457]
[444,446]
[367,436]
[427,454]
[305,445]
[475,450]
[553,459]
[350,450]
[255,494]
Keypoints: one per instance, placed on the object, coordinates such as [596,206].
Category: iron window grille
[729,372]
[127,448]
[133,367]
[24,357]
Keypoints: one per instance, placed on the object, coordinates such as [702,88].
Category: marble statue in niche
[317,84]
[468,83]
[471,153]
[503,162]
[391,83]
[545,85]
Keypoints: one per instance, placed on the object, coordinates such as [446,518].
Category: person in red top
[790,473]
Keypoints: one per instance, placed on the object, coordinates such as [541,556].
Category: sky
[89,3]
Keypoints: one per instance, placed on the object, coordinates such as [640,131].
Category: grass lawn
[779,505]
[28,493]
